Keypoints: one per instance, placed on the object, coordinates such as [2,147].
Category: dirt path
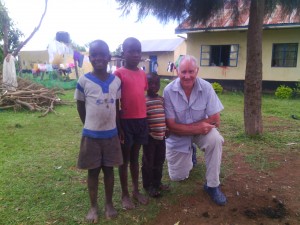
[253,198]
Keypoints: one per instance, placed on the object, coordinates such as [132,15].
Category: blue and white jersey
[100,104]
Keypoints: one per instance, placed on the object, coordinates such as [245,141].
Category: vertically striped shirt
[156,117]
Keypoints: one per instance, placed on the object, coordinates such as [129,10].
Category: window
[285,55]
[219,55]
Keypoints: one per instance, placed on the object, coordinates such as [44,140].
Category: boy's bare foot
[110,211]
[92,216]
[140,198]
[164,187]
[127,203]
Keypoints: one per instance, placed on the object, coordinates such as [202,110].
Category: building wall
[29,58]
[162,59]
[145,62]
[280,73]
[181,50]
[195,40]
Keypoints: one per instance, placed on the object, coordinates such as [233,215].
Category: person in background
[133,119]
[154,152]
[155,67]
[193,115]
[97,95]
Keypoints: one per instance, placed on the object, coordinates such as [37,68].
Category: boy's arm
[118,122]
[81,110]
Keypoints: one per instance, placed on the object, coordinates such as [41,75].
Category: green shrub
[284,92]
[296,91]
[217,87]
[165,82]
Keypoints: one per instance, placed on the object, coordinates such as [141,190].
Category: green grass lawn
[40,183]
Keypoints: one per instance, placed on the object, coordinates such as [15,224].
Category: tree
[118,51]
[78,47]
[13,40]
[201,11]
[10,35]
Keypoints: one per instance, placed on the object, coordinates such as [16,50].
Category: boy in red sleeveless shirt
[133,119]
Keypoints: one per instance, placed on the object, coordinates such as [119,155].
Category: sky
[84,20]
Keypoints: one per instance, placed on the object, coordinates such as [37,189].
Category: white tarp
[9,73]
[57,51]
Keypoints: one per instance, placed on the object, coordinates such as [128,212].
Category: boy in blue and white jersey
[97,95]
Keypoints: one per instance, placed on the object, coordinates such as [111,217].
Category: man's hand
[204,127]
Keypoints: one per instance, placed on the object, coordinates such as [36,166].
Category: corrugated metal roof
[161,45]
[224,21]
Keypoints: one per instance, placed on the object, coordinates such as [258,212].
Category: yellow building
[30,61]
[27,59]
[220,46]
[159,55]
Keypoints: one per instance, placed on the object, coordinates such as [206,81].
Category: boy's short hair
[99,42]
[128,41]
[153,74]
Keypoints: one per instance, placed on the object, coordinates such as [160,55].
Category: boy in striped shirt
[154,152]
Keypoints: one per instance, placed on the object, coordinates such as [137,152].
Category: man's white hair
[188,58]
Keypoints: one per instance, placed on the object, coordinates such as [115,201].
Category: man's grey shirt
[203,103]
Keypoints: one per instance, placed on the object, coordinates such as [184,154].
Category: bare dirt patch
[263,198]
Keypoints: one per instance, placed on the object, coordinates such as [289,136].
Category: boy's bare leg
[110,211]
[123,173]
[92,182]
[134,169]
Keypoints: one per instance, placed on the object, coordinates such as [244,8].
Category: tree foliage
[14,36]
[118,51]
[78,47]
[13,33]
[10,35]
[196,10]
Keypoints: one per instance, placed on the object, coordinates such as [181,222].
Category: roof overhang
[239,28]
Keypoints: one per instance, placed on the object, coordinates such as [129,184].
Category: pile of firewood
[31,96]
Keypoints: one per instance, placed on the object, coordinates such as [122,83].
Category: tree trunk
[253,78]
[5,38]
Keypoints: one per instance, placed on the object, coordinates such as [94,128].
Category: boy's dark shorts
[95,152]
[135,130]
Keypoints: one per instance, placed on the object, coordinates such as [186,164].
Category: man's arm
[200,127]
[81,110]
[214,120]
